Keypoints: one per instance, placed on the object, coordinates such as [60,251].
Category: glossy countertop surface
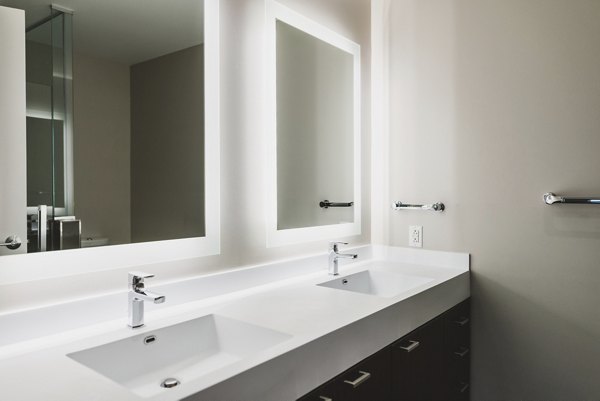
[282,296]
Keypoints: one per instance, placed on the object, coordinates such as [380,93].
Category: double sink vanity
[330,326]
[268,332]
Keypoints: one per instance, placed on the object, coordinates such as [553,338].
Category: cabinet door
[417,365]
[370,380]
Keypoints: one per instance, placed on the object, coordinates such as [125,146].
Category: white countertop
[318,320]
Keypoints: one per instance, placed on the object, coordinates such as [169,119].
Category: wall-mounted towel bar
[551,199]
[436,207]
[327,204]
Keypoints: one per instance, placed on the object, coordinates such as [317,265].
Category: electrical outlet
[415,236]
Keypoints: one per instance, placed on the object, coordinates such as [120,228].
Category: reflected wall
[315,128]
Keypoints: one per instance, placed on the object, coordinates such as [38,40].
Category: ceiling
[126,31]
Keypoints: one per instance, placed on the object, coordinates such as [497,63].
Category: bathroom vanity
[429,363]
[279,331]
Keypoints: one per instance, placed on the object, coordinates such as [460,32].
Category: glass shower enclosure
[49,64]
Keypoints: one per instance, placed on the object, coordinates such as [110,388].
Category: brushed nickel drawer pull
[465,387]
[462,352]
[462,321]
[325,398]
[413,345]
[364,376]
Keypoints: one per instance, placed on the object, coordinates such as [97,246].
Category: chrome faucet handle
[137,295]
[136,279]
[333,246]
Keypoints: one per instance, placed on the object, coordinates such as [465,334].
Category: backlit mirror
[121,114]
[314,153]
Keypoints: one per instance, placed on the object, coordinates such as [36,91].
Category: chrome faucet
[137,296]
[334,256]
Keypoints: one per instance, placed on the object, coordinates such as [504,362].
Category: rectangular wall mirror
[121,125]
[314,136]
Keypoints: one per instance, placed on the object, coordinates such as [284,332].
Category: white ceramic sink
[185,351]
[376,282]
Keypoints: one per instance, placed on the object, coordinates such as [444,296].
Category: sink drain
[169,383]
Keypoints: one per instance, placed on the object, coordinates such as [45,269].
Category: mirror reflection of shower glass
[315,131]
[49,129]
[115,121]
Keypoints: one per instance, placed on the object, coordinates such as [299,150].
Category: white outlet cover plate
[415,236]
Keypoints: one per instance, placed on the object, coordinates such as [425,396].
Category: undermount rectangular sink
[379,283]
[183,352]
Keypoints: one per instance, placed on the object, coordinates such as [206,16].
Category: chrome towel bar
[551,199]
[436,207]
[13,242]
[327,204]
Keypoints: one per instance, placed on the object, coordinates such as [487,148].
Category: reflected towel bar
[551,199]
[327,204]
[436,207]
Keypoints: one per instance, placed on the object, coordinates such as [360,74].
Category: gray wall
[101,148]
[494,103]
[167,146]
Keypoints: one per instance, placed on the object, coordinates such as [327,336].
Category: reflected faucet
[137,296]
[334,256]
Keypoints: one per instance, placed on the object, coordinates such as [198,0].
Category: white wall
[242,149]
[13,190]
[493,103]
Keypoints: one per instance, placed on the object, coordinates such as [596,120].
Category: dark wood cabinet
[432,363]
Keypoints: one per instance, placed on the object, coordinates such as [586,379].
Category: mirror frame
[278,12]
[43,265]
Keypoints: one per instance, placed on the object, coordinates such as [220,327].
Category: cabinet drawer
[459,367]
[367,381]
[457,326]
[460,391]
